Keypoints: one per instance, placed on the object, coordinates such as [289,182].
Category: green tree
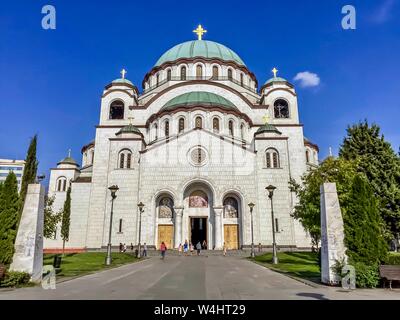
[307,210]
[381,165]
[51,219]
[9,218]
[362,225]
[30,169]
[66,215]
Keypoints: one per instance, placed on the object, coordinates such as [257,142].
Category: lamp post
[113,189]
[140,206]
[251,206]
[271,189]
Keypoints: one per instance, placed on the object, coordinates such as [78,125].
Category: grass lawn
[77,264]
[300,264]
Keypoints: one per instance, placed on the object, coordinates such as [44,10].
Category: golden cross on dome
[274,71]
[199,31]
[123,73]
[265,119]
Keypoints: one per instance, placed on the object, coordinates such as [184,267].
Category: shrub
[15,278]
[393,258]
[366,276]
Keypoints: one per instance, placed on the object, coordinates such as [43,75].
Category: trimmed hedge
[15,279]
[393,258]
[366,276]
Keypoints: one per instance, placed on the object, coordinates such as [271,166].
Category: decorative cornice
[271,138]
[278,89]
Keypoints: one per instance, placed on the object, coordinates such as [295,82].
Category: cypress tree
[9,218]
[66,215]
[381,165]
[30,169]
[362,225]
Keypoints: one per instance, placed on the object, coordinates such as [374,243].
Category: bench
[389,273]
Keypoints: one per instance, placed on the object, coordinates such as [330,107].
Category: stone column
[178,226]
[28,256]
[332,233]
[218,227]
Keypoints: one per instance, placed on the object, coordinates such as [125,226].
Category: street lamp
[140,206]
[113,189]
[251,206]
[271,189]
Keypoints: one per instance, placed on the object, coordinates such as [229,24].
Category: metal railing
[212,78]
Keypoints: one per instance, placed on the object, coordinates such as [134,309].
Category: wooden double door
[231,236]
[166,235]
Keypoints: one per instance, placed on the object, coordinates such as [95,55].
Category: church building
[196,146]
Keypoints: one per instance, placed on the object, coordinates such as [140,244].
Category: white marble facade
[174,155]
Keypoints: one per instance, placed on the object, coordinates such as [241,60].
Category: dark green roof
[267,128]
[199,48]
[68,160]
[275,79]
[198,98]
[130,128]
[120,80]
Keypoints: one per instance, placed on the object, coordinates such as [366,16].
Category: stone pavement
[213,277]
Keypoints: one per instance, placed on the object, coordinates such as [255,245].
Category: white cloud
[307,79]
[383,13]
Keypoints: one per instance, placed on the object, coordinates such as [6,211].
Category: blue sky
[51,80]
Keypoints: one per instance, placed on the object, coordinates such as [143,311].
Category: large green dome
[199,48]
[190,99]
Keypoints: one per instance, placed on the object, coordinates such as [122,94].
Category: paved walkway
[213,277]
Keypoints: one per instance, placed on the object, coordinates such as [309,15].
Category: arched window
[230,127]
[281,109]
[199,123]
[121,160]
[307,156]
[272,158]
[92,157]
[242,131]
[199,71]
[117,110]
[216,125]
[183,73]
[165,208]
[215,72]
[61,185]
[157,79]
[166,128]
[169,75]
[231,208]
[125,159]
[198,199]
[230,74]
[241,79]
[181,125]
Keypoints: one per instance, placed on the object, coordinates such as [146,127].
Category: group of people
[123,248]
[189,247]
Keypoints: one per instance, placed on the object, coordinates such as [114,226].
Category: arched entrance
[232,211]
[198,220]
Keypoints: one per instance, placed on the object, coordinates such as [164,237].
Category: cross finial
[69,153]
[274,71]
[130,119]
[123,73]
[265,119]
[199,31]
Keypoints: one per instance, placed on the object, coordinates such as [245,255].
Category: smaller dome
[68,160]
[198,98]
[267,128]
[130,128]
[275,79]
[123,81]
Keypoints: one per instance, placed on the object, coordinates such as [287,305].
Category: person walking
[224,249]
[204,245]
[191,248]
[124,248]
[121,247]
[180,249]
[144,254]
[163,249]
[198,247]
[186,248]
[131,246]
